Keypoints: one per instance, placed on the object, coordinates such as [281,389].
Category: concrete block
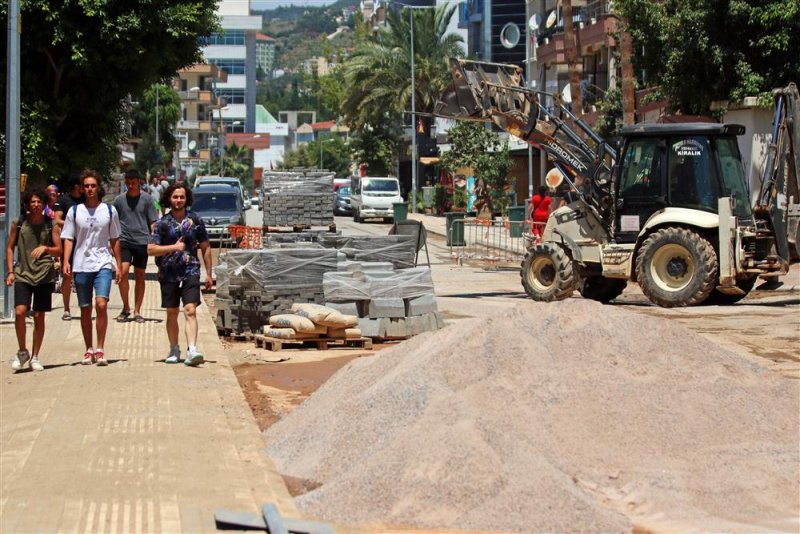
[387,307]
[421,305]
[345,308]
[372,327]
[439,319]
[397,328]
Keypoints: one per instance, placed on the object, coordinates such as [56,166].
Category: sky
[272,4]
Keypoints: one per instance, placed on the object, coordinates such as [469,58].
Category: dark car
[219,206]
[341,202]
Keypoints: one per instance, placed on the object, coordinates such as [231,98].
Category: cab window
[641,174]
[734,182]
[693,181]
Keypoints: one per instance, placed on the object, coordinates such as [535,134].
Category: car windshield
[343,191]
[214,202]
[379,186]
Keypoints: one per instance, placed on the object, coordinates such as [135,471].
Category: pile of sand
[550,417]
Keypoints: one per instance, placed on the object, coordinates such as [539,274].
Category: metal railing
[490,242]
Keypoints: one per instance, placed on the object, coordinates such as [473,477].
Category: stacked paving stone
[308,238]
[389,303]
[399,250]
[254,284]
[298,198]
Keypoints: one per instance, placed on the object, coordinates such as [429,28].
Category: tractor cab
[687,166]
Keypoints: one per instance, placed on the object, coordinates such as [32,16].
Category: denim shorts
[86,283]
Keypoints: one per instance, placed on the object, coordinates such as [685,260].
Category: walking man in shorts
[73,195]
[137,217]
[37,240]
[92,231]
[175,241]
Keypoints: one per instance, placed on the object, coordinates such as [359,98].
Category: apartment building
[265,54]
[197,131]
[234,51]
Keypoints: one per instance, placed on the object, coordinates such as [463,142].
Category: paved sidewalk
[138,446]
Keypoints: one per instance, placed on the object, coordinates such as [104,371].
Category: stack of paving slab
[306,238]
[399,250]
[252,285]
[390,303]
[298,198]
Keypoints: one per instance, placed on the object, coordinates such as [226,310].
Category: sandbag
[287,333]
[322,315]
[344,333]
[295,322]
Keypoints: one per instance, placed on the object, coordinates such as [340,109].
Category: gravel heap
[559,417]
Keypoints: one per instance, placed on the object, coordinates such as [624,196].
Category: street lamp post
[414,112]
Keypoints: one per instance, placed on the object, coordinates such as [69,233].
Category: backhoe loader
[667,207]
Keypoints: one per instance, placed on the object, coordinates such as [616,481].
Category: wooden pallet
[276,344]
[229,335]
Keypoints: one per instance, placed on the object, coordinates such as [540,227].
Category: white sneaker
[35,365]
[193,358]
[20,360]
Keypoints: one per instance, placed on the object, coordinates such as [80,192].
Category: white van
[372,196]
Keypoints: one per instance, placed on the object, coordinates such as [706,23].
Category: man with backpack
[177,237]
[92,231]
[37,240]
[73,195]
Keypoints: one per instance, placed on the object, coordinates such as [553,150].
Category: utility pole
[12,167]
[413,123]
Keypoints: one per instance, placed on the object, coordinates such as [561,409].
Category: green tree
[333,154]
[701,51]
[378,73]
[80,59]
[169,112]
[478,147]
[376,147]
[235,162]
[149,156]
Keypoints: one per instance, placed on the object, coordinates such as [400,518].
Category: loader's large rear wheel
[722,299]
[600,288]
[677,267]
[547,273]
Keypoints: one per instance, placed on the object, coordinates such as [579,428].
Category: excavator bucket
[482,91]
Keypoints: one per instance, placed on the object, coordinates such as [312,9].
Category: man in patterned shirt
[175,241]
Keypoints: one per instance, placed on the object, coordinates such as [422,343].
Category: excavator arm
[777,207]
[494,92]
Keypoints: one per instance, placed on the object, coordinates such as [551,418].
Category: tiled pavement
[138,446]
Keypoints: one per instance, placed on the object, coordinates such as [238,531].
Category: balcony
[202,154]
[591,34]
[195,125]
[201,97]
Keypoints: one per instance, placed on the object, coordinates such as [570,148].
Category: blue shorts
[86,283]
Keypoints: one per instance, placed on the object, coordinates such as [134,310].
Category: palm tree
[378,73]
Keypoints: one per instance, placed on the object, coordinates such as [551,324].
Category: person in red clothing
[539,210]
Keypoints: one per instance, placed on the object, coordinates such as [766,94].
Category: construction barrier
[491,242]
[248,237]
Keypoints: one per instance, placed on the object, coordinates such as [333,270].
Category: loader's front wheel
[601,289]
[547,273]
[677,267]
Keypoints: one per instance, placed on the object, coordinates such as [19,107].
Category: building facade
[265,54]
[234,51]
[197,131]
